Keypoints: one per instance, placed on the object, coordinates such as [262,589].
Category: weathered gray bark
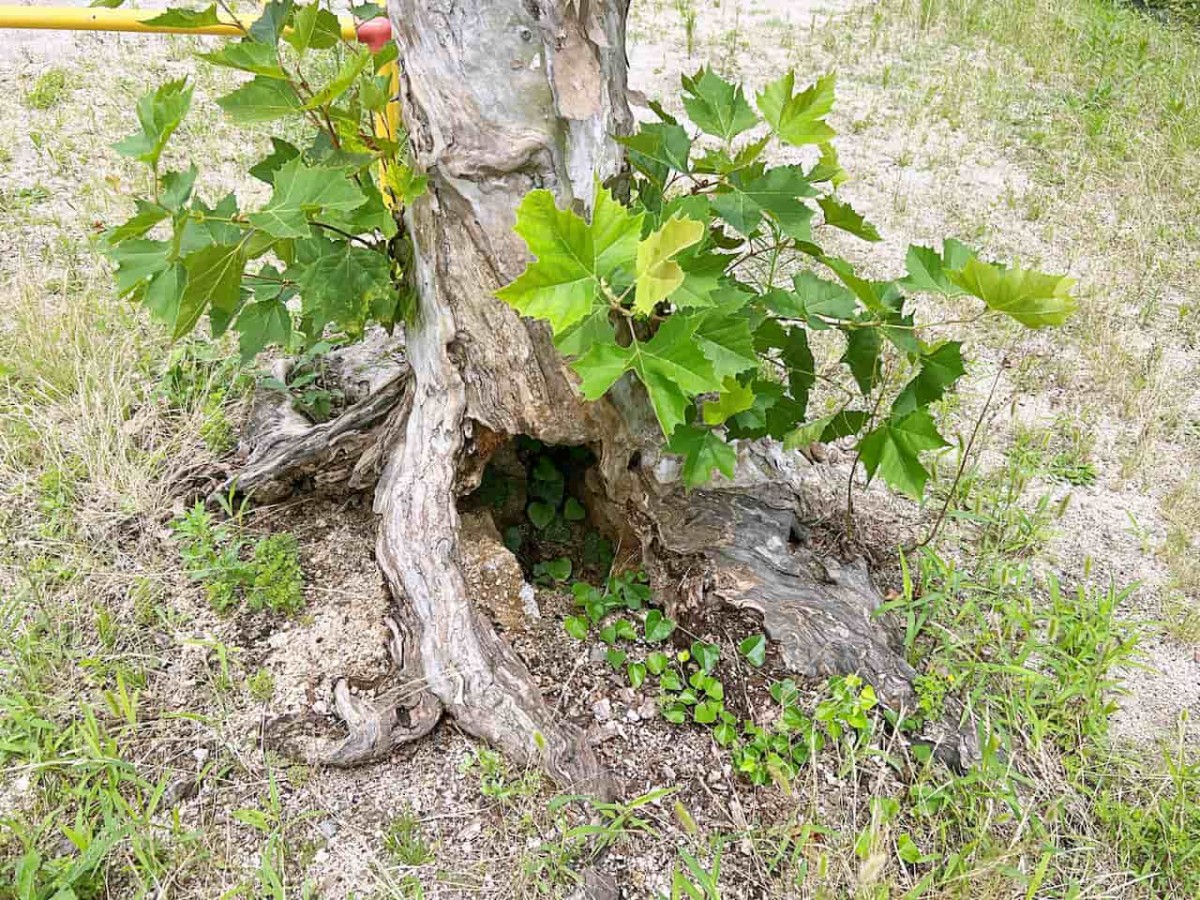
[501,97]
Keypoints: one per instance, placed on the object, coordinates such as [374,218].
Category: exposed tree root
[404,712]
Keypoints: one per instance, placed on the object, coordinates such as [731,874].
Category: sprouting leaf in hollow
[658,274]
[260,100]
[754,648]
[159,114]
[798,119]
[1032,298]
[702,450]
[576,627]
[893,449]
[186,18]
[843,216]
[301,191]
[559,569]
[716,106]
[572,256]
[540,514]
[941,366]
[928,270]
[733,399]
[671,366]
[657,628]
[637,674]
[248,56]
[705,654]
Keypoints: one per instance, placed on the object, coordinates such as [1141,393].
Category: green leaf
[261,324]
[671,366]
[702,450]
[927,270]
[657,273]
[137,261]
[828,168]
[659,148]
[269,26]
[161,296]
[802,368]
[821,298]
[798,119]
[315,28]
[281,152]
[177,187]
[302,190]
[340,283]
[637,674]
[777,192]
[559,569]
[893,450]
[941,367]
[340,83]
[186,18]
[734,398]
[214,282]
[563,285]
[808,433]
[707,712]
[657,628]
[842,215]
[702,274]
[716,106]
[705,654]
[726,340]
[1032,298]
[540,514]
[147,216]
[159,114]
[754,648]
[616,658]
[260,100]
[576,627]
[657,662]
[862,356]
[248,56]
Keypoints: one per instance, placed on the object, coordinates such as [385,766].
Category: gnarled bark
[501,97]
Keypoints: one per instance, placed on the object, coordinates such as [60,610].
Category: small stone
[648,710]
[602,710]
[321,855]
[321,708]
[669,774]
[597,654]
[471,830]
[329,828]
[628,696]
[631,715]
[200,754]
[598,734]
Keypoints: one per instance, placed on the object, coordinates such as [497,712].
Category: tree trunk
[501,97]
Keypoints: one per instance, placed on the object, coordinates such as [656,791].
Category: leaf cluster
[710,288]
[322,256]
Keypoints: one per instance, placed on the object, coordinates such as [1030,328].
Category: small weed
[405,842]
[214,554]
[496,780]
[261,685]
[49,90]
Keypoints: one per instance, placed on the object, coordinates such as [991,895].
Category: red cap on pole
[375,33]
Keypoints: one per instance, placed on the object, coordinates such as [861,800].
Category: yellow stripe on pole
[72,18]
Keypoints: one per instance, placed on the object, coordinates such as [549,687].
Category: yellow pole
[98,19]
[70,18]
